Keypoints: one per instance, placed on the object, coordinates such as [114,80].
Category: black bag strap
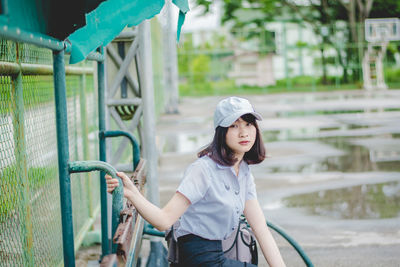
[234,241]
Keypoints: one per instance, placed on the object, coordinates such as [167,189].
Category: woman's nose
[243,133]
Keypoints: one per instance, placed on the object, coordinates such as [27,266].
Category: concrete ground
[297,165]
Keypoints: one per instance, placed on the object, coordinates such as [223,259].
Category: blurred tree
[321,15]
[200,67]
[185,51]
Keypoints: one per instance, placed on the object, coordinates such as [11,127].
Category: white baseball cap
[230,109]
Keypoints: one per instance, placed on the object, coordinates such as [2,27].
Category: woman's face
[241,136]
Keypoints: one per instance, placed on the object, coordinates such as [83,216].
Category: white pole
[149,129]
[171,62]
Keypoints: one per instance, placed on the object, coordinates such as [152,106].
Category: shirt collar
[244,167]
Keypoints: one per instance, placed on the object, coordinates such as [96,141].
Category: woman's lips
[244,142]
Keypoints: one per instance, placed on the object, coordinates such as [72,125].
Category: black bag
[241,245]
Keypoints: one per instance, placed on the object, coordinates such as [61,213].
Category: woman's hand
[162,219]
[129,188]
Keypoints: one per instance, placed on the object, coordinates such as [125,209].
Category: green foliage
[211,88]
[184,54]
[228,87]
[301,44]
[297,81]
[256,14]
[392,75]
[385,9]
[8,196]
[199,67]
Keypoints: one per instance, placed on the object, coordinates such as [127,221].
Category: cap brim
[228,121]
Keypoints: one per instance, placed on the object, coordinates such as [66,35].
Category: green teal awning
[56,19]
[88,24]
[105,22]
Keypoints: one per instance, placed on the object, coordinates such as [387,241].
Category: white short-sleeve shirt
[217,198]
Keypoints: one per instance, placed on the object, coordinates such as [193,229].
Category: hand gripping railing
[118,193]
[150,230]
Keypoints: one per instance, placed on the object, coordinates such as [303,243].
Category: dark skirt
[197,251]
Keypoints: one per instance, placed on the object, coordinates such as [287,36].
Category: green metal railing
[292,242]
[117,200]
[18,193]
[132,139]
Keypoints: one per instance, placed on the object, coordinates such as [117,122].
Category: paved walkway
[301,161]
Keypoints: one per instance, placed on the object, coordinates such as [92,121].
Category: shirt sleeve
[195,182]
[251,188]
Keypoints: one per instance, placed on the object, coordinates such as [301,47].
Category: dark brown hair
[219,151]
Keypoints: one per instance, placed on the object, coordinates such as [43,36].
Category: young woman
[216,189]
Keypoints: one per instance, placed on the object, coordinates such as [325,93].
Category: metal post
[300,49]
[22,168]
[146,82]
[63,157]
[105,241]
[85,140]
[360,47]
[124,82]
[171,63]
[286,64]
[149,140]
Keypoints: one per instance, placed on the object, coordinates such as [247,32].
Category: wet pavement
[332,178]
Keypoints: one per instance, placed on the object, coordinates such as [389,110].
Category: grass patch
[228,87]
[11,187]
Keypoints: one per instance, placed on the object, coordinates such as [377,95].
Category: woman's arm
[255,217]
[161,219]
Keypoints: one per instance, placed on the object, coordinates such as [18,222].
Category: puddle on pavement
[354,159]
[307,132]
[376,201]
[367,201]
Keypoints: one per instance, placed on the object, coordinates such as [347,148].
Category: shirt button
[237,192]
[233,228]
[227,187]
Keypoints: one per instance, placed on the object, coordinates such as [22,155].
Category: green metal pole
[78,186]
[293,242]
[135,145]
[22,169]
[105,241]
[63,157]
[85,140]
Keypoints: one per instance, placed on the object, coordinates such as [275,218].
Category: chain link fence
[30,215]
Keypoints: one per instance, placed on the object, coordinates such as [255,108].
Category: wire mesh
[30,215]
